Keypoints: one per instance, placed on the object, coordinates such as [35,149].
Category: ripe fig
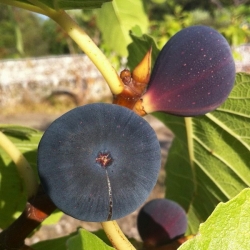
[193,74]
[161,221]
[99,162]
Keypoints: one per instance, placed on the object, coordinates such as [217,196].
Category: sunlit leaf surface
[115,19]
[227,228]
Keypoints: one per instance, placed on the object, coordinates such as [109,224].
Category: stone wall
[37,78]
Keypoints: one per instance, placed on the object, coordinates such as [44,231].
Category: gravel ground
[68,224]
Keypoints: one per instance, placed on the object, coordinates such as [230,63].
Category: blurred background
[43,73]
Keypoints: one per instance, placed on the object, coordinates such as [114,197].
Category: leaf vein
[227,129]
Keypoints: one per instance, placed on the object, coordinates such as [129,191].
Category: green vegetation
[160,19]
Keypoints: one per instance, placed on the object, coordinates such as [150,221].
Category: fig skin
[99,162]
[160,221]
[193,74]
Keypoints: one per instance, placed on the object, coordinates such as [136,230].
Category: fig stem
[90,49]
[23,167]
[116,236]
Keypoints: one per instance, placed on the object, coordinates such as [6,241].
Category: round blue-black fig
[99,162]
[193,74]
[160,221]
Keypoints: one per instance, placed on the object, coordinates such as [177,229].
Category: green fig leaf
[227,228]
[116,19]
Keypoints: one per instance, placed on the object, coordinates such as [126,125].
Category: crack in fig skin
[194,73]
[110,198]
[105,159]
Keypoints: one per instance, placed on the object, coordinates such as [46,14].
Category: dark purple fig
[161,221]
[193,74]
[99,162]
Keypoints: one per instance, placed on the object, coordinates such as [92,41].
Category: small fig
[160,221]
[193,74]
[99,162]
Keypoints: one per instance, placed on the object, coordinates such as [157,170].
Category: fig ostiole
[99,162]
[193,74]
